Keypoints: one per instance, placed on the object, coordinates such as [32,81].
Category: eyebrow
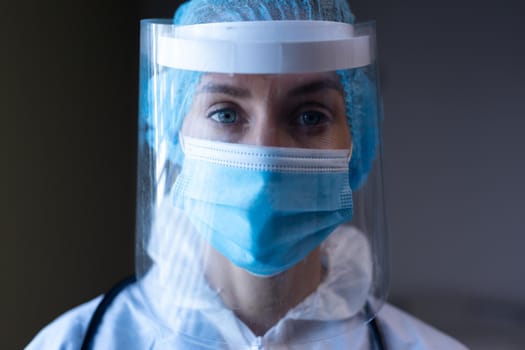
[316,86]
[213,88]
[309,88]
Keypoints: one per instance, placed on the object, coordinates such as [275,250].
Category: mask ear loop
[350,153]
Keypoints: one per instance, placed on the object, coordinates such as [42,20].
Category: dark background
[454,89]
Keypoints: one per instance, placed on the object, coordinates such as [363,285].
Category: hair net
[206,11]
[175,100]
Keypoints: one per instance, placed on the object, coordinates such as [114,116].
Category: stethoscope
[376,338]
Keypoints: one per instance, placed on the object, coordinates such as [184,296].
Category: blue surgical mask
[263,208]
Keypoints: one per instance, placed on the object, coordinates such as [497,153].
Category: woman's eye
[311,118]
[224,116]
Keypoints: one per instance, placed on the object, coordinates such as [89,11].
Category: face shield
[260,201]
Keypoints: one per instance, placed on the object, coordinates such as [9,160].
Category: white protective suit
[129,324]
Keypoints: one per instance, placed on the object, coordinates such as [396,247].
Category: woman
[260,216]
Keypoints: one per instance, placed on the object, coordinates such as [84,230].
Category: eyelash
[317,109]
[223,111]
[224,107]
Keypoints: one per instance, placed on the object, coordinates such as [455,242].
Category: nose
[266,130]
[263,134]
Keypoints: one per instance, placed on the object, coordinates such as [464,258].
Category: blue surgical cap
[360,91]
[207,11]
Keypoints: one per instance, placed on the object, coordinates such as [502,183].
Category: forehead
[282,82]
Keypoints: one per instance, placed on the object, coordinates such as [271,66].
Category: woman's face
[294,110]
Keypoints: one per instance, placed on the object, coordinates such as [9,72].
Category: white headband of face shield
[264,47]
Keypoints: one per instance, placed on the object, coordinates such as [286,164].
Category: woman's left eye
[311,118]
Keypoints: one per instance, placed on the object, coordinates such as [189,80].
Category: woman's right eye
[224,116]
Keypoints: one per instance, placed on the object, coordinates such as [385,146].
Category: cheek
[190,125]
[194,124]
[337,138]
[344,140]
[340,132]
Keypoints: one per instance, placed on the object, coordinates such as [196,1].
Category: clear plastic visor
[260,200]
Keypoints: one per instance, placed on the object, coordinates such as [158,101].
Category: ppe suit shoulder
[67,331]
[402,331]
[125,325]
